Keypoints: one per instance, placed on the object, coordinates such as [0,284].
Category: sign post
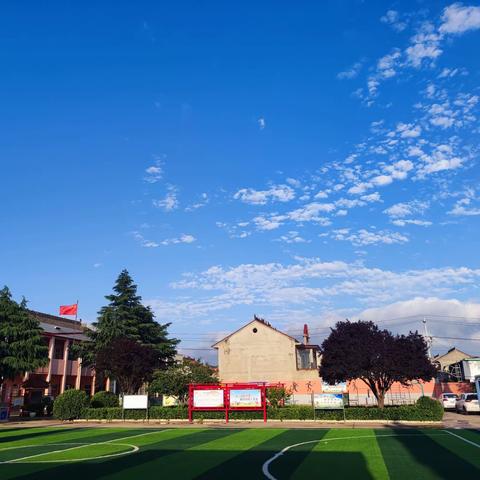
[329,401]
[227,398]
[477,386]
[135,402]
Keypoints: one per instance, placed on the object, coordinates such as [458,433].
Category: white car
[467,403]
[448,401]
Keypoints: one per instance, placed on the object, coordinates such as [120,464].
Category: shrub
[277,396]
[425,410]
[104,400]
[70,405]
[430,407]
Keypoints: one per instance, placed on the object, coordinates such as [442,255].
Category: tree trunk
[381,399]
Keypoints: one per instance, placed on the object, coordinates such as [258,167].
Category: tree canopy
[21,345]
[126,317]
[360,350]
[130,363]
[175,380]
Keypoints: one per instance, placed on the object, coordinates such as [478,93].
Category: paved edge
[303,424]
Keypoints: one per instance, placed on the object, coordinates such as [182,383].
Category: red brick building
[62,372]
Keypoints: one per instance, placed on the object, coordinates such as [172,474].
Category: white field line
[266,465]
[16,460]
[42,445]
[464,439]
[134,449]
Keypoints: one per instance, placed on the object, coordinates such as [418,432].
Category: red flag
[69,309]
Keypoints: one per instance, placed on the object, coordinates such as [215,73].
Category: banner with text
[340,387]
[208,398]
[246,398]
[328,401]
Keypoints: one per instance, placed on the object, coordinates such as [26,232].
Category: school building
[63,370]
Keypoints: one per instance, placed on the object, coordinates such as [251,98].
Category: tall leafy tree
[126,317]
[360,350]
[175,380]
[129,362]
[21,345]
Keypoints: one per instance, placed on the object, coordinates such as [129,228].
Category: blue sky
[305,161]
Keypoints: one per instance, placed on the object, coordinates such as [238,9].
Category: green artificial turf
[236,453]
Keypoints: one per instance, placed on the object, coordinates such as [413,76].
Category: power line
[457,338]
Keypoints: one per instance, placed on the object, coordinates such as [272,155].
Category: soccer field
[207,453]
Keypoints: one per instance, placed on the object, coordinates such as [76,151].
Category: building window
[58,350]
[306,359]
[71,353]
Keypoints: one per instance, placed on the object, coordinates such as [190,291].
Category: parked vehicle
[449,401]
[467,403]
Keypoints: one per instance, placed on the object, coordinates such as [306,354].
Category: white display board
[246,398]
[340,387]
[208,398]
[135,402]
[332,401]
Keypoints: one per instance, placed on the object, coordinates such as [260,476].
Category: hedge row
[426,409]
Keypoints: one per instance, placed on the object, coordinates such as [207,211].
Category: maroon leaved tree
[360,350]
[129,362]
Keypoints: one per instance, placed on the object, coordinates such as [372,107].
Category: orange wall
[357,387]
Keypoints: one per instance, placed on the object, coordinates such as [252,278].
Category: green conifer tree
[21,345]
[126,317]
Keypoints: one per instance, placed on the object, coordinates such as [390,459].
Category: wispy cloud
[280,193]
[154,172]
[351,72]
[307,281]
[169,202]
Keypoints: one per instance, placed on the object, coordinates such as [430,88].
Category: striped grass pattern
[236,453]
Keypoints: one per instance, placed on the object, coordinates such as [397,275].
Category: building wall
[266,355]
[270,356]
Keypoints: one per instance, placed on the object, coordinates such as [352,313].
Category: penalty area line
[266,465]
[463,439]
[135,448]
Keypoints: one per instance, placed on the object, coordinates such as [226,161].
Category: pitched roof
[59,326]
[258,320]
[59,321]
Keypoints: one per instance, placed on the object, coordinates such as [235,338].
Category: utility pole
[427,337]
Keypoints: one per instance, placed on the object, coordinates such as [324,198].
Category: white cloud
[392,18]
[143,241]
[184,238]
[351,72]
[280,193]
[261,123]
[424,48]
[441,158]
[292,237]
[263,223]
[401,210]
[311,212]
[308,282]
[169,202]
[457,19]
[462,208]
[388,64]
[408,130]
[321,194]
[200,204]
[154,173]
[364,237]
[407,221]
[382,180]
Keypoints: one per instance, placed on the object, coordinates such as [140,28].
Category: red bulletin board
[235,396]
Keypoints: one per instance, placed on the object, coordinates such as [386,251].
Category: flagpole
[76,312]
